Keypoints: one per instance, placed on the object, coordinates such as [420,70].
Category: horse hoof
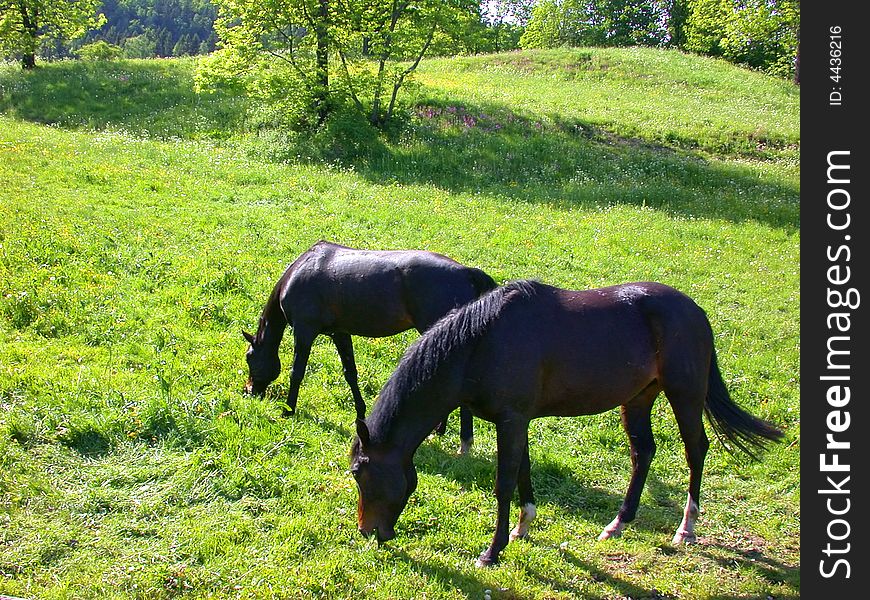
[516,534]
[684,537]
[484,561]
[464,447]
[288,412]
[614,530]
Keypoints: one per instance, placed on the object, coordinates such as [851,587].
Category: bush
[99,50]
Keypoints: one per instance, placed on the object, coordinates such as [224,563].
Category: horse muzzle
[253,388]
[381,535]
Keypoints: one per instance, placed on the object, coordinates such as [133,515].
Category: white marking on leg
[613,529]
[527,515]
[465,446]
[686,531]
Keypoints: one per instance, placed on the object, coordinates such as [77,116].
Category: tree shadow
[570,162]
[731,556]
[460,147]
[153,98]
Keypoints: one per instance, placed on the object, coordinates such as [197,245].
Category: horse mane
[456,330]
[272,315]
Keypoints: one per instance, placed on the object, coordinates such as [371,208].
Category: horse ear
[248,337]
[362,432]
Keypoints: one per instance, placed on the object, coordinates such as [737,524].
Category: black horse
[341,291]
[529,350]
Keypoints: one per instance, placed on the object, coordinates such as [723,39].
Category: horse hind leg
[344,345]
[638,426]
[688,409]
[466,430]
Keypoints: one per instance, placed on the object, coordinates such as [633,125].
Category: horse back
[374,293]
[566,352]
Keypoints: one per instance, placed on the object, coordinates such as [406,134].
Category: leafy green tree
[678,13]
[505,21]
[380,43]
[553,23]
[24,24]
[762,34]
[596,23]
[706,26]
[374,46]
[140,46]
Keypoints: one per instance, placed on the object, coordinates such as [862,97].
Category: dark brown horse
[529,350]
[341,291]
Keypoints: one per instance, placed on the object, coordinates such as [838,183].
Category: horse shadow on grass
[474,586]
[556,484]
[553,482]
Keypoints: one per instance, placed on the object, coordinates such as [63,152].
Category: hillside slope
[142,228]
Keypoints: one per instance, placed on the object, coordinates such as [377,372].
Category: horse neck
[404,420]
[273,322]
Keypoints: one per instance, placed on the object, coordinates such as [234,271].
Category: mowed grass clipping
[131,466]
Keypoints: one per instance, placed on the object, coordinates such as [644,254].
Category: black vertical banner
[835,424]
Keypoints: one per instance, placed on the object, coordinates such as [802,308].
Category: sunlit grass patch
[132,466]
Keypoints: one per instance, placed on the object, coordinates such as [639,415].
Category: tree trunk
[321,96]
[31,28]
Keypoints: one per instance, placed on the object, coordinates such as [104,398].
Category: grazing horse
[341,291]
[528,350]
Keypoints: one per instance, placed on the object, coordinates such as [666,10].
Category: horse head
[385,481]
[264,366]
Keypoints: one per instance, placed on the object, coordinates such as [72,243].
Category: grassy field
[142,227]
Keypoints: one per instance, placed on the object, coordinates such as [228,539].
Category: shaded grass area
[727,149]
[152,98]
[132,467]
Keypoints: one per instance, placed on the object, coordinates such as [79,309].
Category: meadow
[142,227]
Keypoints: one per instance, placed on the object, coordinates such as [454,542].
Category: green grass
[136,243]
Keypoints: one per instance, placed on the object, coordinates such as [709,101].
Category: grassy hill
[142,227]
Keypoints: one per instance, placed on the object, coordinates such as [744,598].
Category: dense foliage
[26,24]
[311,57]
[762,34]
[137,28]
[146,28]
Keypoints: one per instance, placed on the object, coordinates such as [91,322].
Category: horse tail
[730,422]
[481,282]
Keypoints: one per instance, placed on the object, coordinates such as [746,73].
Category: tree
[24,24]
[505,21]
[140,46]
[99,50]
[678,13]
[596,23]
[392,37]
[374,44]
[762,34]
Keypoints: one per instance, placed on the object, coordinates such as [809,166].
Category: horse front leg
[466,430]
[512,437]
[302,340]
[344,345]
[528,512]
